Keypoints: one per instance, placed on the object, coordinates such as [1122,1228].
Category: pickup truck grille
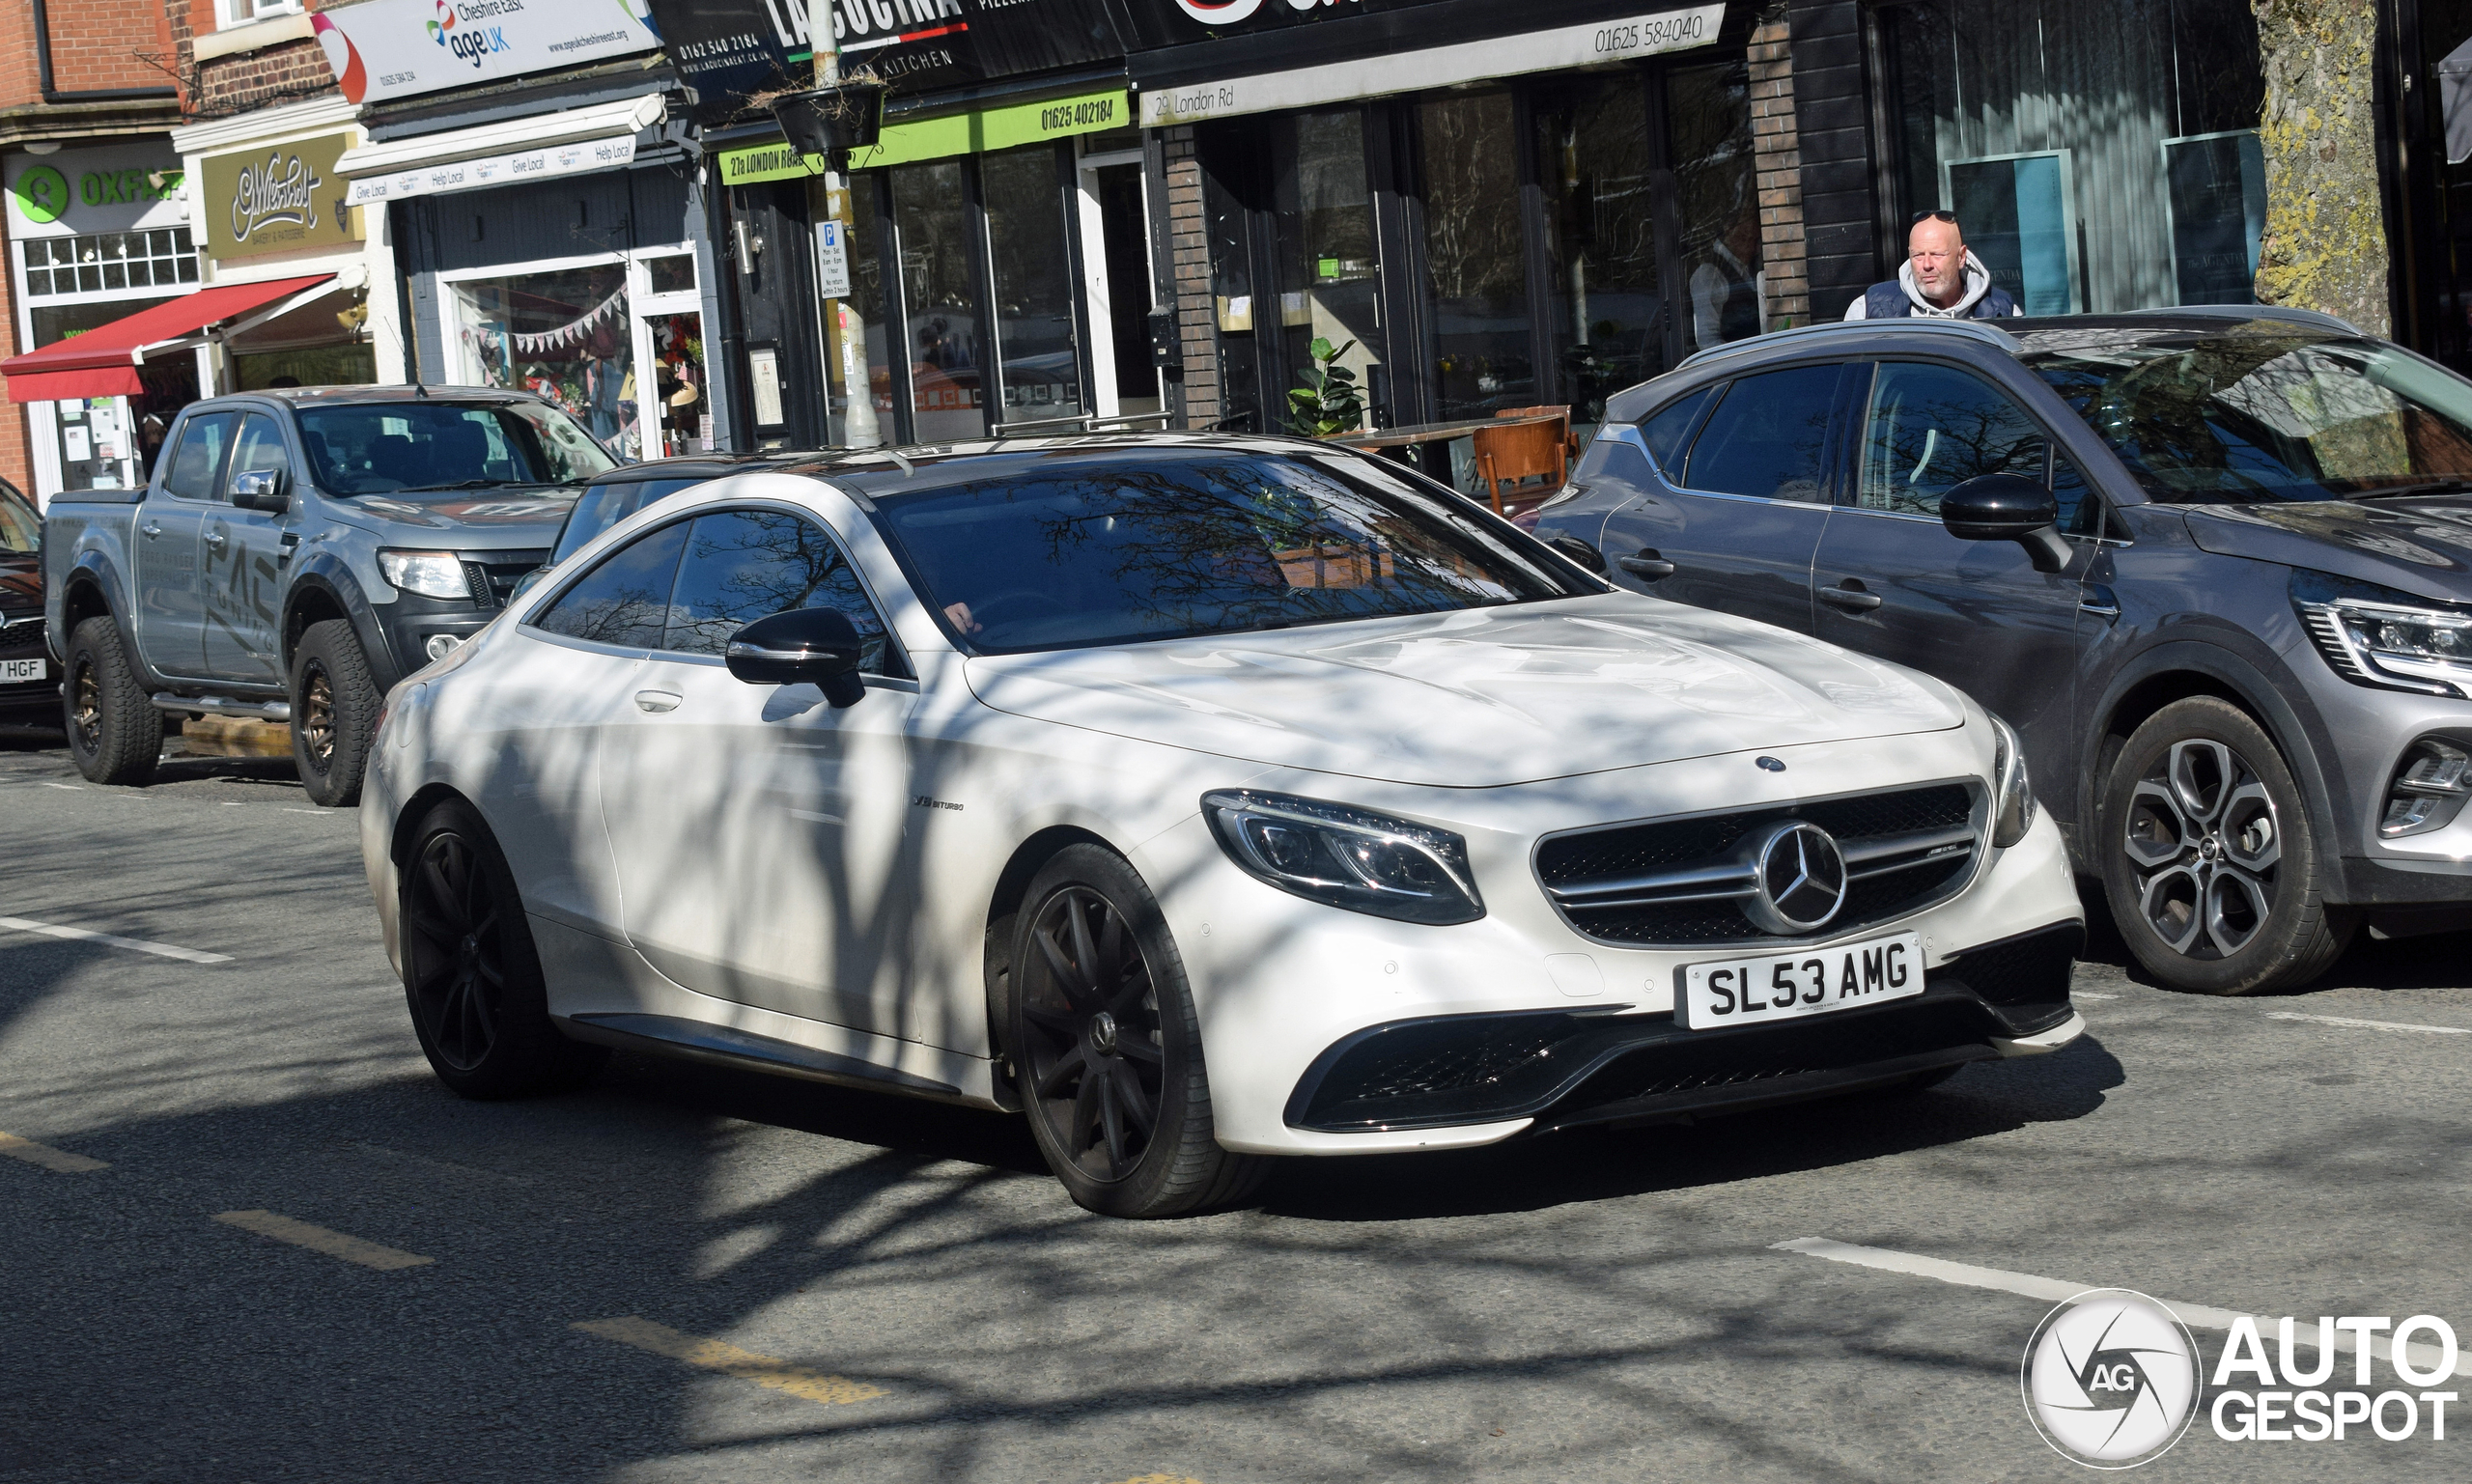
[492,579]
[1682,881]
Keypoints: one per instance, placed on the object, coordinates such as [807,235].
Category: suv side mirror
[268,490]
[815,647]
[2007,506]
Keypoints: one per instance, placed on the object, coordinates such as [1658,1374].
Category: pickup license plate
[1789,986]
[14,670]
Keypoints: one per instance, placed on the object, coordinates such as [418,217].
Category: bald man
[1939,280]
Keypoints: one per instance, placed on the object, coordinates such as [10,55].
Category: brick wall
[286,72]
[1777,156]
[1189,261]
[1833,137]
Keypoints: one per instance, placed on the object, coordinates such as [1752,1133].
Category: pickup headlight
[430,574]
[2014,814]
[1345,857]
[2377,636]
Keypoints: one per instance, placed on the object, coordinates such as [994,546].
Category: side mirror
[2007,506]
[267,490]
[817,647]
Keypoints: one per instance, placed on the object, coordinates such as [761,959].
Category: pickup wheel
[115,733]
[334,713]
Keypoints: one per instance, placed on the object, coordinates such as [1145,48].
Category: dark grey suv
[2214,566]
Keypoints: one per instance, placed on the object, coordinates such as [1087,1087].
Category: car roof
[890,473]
[699,466]
[345,395]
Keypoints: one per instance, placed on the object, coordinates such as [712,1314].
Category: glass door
[1481,357]
[1029,255]
[1604,198]
[931,219]
[677,418]
[1116,258]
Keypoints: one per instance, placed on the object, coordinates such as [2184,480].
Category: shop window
[1026,229]
[1601,269]
[1717,197]
[1327,278]
[355,365]
[1475,274]
[671,273]
[2049,154]
[931,222]
[108,261]
[563,335]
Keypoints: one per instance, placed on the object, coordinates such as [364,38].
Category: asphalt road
[820,1285]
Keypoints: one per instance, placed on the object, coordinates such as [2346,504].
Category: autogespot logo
[2111,1378]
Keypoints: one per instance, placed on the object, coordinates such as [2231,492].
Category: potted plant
[1329,402]
[832,120]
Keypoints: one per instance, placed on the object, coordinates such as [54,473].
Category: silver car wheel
[2204,844]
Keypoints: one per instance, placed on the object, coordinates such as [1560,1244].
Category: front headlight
[430,574]
[1345,857]
[2015,814]
[2377,636]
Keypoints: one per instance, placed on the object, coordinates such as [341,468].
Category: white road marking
[2338,1020]
[337,813]
[2091,994]
[2197,1316]
[138,944]
[74,787]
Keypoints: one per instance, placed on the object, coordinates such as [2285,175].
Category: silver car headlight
[1345,857]
[2377,636]
[2014,814]
[430,574]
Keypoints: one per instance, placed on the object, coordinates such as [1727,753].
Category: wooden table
[1414,433]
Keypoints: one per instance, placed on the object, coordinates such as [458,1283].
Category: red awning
[103,361]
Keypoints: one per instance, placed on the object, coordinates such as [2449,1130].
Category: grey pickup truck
[295,554]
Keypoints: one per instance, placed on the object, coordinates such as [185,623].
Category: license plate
[1789,986]
[22,669]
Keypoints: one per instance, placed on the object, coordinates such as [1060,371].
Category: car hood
[2420,544]
[512,510]
[1482,698]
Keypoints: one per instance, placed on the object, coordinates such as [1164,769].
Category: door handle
[1648,564]
[2100,602]
[151,530]
[215,538]
[288,543]
[657,700]
[1851,596]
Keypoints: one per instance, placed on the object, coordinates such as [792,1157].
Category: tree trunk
[2324,246]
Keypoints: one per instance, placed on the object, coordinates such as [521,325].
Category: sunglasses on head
[1920,217]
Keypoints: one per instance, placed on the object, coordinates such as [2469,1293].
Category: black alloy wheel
[454,951]
[115,733]
[2210,859]
[1093,1051]
[1106,1045]
[471,975]
[336,702]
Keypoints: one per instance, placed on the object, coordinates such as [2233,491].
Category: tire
[115,733]
[334,713]
[1104,1038]
[471,976]
[2209,860]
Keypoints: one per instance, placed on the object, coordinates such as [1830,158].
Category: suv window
[625,599]
[1663,429]
[1767,437]
[605,505]
[378,447]
[203,441]
[1932,428]
[261,448]
[742,565]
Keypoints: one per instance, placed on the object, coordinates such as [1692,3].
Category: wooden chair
[1563,410]
[1508,457]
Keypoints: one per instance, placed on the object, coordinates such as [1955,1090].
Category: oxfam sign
[43,193]
[112,188]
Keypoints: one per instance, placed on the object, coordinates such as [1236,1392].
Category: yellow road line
[318,1238]
[730,1361]
[48,1158]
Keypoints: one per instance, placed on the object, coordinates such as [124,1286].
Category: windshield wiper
[464,483]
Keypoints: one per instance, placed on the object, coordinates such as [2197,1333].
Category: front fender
[325,573]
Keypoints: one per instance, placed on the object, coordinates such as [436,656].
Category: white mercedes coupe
[1205,799]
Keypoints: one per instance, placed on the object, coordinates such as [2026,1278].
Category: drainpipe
[52,95]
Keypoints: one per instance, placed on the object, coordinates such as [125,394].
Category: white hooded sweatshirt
[1978,284]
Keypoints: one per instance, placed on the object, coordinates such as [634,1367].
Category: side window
[1932,428]
[2081,514]
[1663,429]
[1767,437]
[261,448]
[200,456]
[623,601]
[603,506]
[742,565]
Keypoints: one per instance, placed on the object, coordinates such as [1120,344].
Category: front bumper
[1561,1069]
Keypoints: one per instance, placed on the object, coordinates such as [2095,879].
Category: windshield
[1129,547]
[603,506]
[383,447]
[2264,413]
[20,528]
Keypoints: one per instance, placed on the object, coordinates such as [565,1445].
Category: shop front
[1482,210]
[97,235]
[268,203]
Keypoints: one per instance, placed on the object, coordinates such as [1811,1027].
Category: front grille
[1682,881]
[2033,969]
[493,582]
[1452,1070]
[22,630]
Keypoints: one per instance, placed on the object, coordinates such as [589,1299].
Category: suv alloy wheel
[2208,859]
